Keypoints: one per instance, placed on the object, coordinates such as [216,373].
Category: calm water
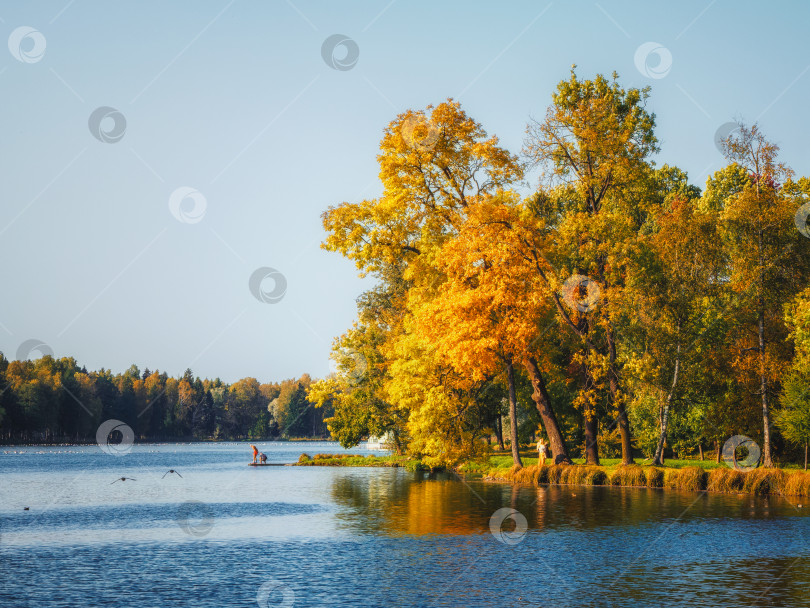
[225,534]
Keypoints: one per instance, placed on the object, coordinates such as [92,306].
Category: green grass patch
[353,460]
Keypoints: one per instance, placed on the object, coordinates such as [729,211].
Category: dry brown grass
[628,475]
[797,484]
[514,469]
[760,482]
[764,481]
[527,474]
[725,480]
[554,474]
[691,479]
[592,476]
[655,478]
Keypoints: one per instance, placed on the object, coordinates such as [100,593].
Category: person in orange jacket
[255,452]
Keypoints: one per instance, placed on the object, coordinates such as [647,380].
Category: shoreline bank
[759,482]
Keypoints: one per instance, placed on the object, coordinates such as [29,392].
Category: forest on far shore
[51,400]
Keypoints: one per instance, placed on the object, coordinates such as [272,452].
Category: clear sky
[101,256]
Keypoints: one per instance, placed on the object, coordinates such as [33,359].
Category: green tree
[768,261]
[793,418]
[595,140]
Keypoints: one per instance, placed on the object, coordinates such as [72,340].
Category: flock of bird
[133,479]
[169,472]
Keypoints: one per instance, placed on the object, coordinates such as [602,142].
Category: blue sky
[234,101]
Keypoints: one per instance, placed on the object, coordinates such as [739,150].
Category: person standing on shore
[542,452]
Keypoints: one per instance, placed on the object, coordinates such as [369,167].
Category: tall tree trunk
[499,433]
[659,450]
[624,422]
[510,372]
[398,443]
[591,432]
[591,425]
[700,449]
[717,450]
[767,460]
[542,401]
[589,419]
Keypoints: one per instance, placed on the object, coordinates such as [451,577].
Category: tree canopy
[617,309]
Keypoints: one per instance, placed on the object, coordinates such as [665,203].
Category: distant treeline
[57,400]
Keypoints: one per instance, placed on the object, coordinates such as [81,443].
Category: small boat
[265,464]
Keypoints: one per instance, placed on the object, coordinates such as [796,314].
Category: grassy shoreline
[355,460]
[762,482]
[687,475]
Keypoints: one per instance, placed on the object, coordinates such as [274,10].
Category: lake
[225,534]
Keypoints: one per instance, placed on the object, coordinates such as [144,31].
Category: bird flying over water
[124,479]
[172,471]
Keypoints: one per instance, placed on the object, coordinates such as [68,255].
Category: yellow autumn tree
[494,306]
[594,144]
[433,164]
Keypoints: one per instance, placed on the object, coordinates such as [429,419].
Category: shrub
[304,457]
[416,465]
